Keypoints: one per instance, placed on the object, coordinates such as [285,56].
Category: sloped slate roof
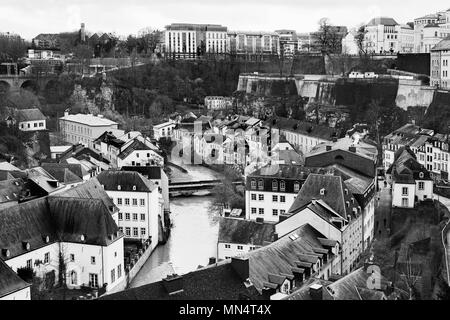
[75,168]
[10,282]
[135,145]
[152,172]
[29,115]
[90,189]
[126,180]
[281,256]
[59,218]
[10,190]
[443,45]
[334,195]
[74,217]
[63,175]
[245,231]
[217,282]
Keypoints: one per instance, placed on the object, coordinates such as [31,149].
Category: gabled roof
[63,174]
[75,168]
[136,145]
[245,231]
[406,169]
[29,115]
[6,166]
[10,282]
[127,180]
[335,194]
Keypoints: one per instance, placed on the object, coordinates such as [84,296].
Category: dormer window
[46,239]
[6,253]
[119,187]
[26,245]
[346,191]
[260,184]
[282,185]
[421,175]
[353,200]
[274,185]
[253,184]
[347,203]
[296,186]
[134,188]
[82,237]
[322,191]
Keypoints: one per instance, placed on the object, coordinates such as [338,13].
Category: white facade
[349,45]
[32,125]
[403,195]
[217,102]
[229,250]
[141,158]
[89,265]
[267,205]
[23,294]
[84,128]
[138,214]
[163,130]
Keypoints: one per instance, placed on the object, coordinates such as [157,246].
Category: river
[193,238]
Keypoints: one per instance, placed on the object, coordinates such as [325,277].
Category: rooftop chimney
[328,148]
[315,291]
[212,260]
[241,266]
[352,149]
[275,236]
[173,284]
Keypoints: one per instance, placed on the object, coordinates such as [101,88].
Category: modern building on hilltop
[440,57]
[189,41]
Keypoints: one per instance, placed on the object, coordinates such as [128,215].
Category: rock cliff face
[411,93]
[267,85]
[93,99]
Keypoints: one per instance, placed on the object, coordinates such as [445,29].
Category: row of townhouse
[431,149]
[80,229]
[337,182]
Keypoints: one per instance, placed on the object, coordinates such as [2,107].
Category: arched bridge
[33,82]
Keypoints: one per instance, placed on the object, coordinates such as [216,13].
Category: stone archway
[4,88]
[30,85]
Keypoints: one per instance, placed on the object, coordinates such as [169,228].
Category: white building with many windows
[271,191]
[81,230]
[163,130]
[139,202]
[84,128]
[30,120]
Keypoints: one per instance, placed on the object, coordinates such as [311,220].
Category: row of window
[135,231]
[35,125]
[261,197]
[134,201]
[239,247]
[135,216]
[260,211]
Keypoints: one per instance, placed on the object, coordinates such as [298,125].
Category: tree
[12,47]
[226,195]
[327,40]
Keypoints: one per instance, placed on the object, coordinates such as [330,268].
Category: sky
[28,18]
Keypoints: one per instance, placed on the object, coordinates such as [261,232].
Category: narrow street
[383,208]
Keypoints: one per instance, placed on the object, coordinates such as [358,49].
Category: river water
[193,238]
